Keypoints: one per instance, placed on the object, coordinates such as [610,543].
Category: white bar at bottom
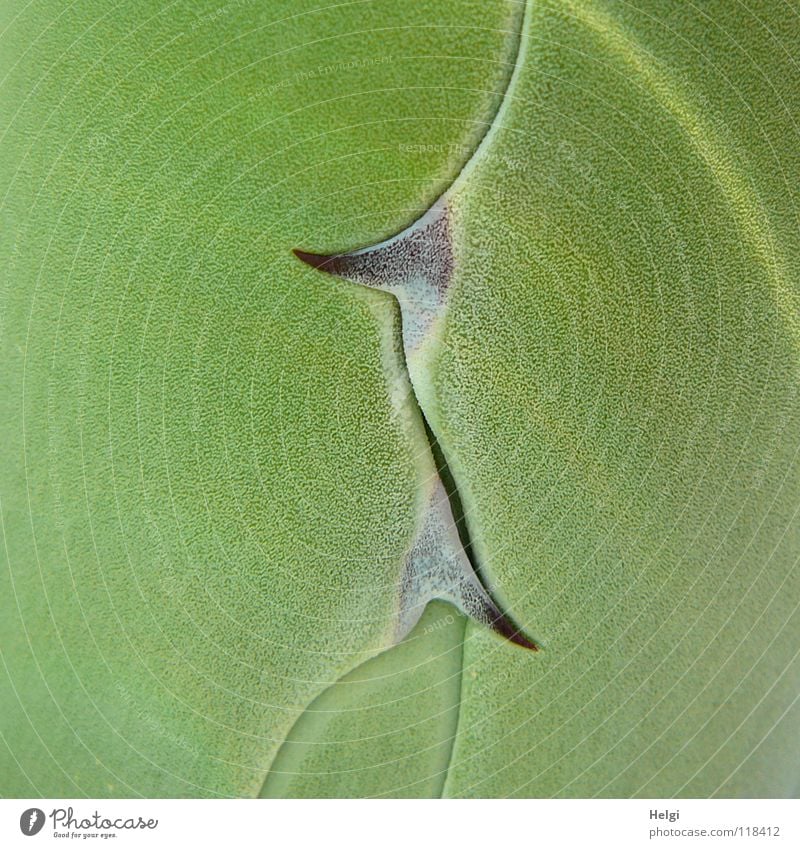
[385,824]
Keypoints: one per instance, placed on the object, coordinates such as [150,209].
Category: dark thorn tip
[325,262]
[505,628]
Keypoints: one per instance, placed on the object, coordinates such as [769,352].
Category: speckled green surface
[207,488]
[385,730]
[618,388]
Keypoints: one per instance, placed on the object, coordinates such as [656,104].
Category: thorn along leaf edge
[416,267]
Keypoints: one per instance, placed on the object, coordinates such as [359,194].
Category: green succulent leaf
[209,474]
[217,483]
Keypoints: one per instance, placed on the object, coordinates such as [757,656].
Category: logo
[64,823]
[31,821]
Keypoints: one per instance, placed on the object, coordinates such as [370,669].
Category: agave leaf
[387,728]
[208,476]
[612,378]
[610,364]
[624,330]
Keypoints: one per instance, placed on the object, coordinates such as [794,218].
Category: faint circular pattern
[207,477]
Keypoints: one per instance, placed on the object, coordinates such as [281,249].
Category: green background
[207,476]
[206,487]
